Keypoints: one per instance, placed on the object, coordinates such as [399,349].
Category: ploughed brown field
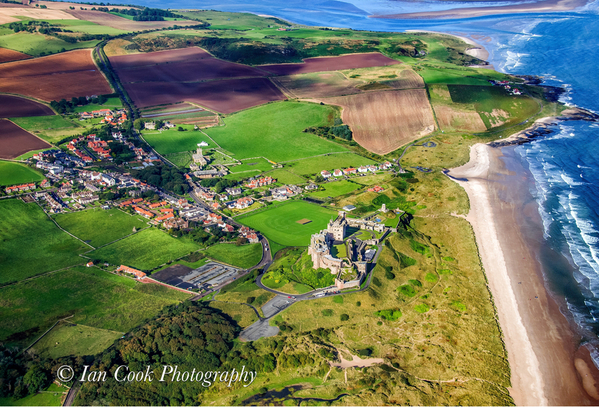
[55,77]
[8,55]
[110,20]
[194,64]
[321,64]
[224,96]
[14,106]
[322,84]
[383,121]
[14,141]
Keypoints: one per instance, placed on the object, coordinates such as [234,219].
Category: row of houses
[353,171]
[260,182]
[20,188]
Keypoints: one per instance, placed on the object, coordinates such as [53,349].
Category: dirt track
[383,121]
[14,141]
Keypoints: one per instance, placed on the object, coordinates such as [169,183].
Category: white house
[325,174]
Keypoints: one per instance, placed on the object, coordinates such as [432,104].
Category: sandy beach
[469,12]
[477,50]
[547,367]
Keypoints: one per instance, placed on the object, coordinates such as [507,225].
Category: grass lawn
[15,173]
[274,131]
[34,44]
[144,250]
[111,103]
[280,223]
[334,189]
[259,164]
[98,226]
[173,141]
[50,128]
[77,340]
[96,298]
[240,256]
[315,165]
[31,243]
[38,399]
[286,177]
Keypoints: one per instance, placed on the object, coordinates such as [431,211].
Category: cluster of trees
[160,176]
[190,336]
[43,27]
[218,184]
[145,14]
[64,106]
[338,131]
[30,26]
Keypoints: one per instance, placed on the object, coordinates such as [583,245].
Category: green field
[96,298]
[334,189]
[274,131]
[488,100]
[50,128]
[31,243]
[34,44]
[98,226]
[286,177]
[77,340]
[111,103]
[38,399]
[259,164]
[240,21]
[280,223]
[315,165]
[87,27]
[15,173]
[173,141]
[241,256]
[144,250]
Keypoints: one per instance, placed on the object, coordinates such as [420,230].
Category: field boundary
[45,333]
[68,233]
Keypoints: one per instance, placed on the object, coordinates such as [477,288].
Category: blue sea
[563,48]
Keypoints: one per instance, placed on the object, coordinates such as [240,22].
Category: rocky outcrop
[543,127]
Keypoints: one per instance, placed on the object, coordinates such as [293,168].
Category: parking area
[204,277]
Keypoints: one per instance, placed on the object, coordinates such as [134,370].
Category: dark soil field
[191,71]
[55,77]
[158,57]
[14,141]
[121,23]
[14,106]
[8,55]
[224,96]
[322,64]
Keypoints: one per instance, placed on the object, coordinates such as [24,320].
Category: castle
[321,244]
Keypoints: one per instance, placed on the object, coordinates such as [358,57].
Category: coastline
[470,12]
[547,365]
[478,51]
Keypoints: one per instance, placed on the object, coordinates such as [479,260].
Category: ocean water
[563,48]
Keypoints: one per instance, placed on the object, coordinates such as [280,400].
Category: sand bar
[542,348]
[470,12]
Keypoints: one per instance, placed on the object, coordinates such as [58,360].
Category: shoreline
[470,12]
[547,365]
[478,51]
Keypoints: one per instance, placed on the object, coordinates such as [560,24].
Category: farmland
[95,298]
[50,128]
[275,132]
[222,96]
[38,247]
[14,106]
[144,250]
[329,162]
[77,340]
[321,64]
[383,121]
[173,141]
[335,189]
[125,24]
[316,85]
[60,76]
[244,256]
[279,223]
[98,226]
[14,141]
[14,173]
[8,55]
[36,44]
[11,14]
[286,177]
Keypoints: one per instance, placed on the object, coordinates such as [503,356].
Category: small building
[338,173]
[325,174]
